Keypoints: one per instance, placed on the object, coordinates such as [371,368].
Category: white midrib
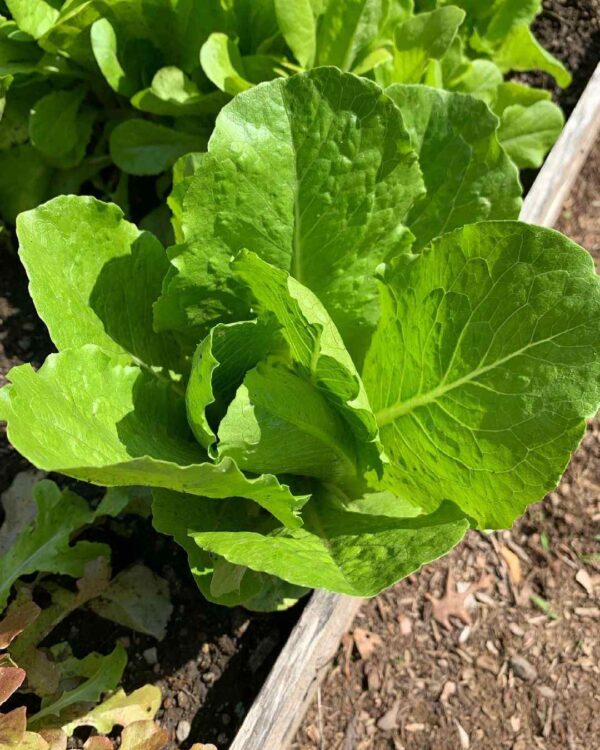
[401,408]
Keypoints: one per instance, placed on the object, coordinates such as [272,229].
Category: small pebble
[183,730]
[151,656]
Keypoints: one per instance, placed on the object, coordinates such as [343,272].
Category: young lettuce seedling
[354,353]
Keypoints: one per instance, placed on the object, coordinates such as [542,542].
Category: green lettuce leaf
[520,50]
[106,678]
[44,546]
[484,368]
[467,175]
[94,417]
[141,147]
[424,37]
[34,17]
[332,201]
[218,368]
[351,553]
[94,278]
[222,63]
[298,24]
[104,42]
[528,133]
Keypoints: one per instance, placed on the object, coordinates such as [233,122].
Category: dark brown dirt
[570,30]
[524,673]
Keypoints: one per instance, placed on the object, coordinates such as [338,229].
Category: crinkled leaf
[253,590]
[351,553]
[315,344]
[45,545]
[424,37]
[19,507]
[484,368]
[528,133]
[520,50]
[98,743]
[141,147]
[106,678]
[11,679]
[56,738]
[144,735]
[94,278]
[510,92]
[12,728]
[264,416]
[18,617]
[139,599]
[327,160]
[120,709]
[94,417]
[218,369]
[467,175]
[43,675]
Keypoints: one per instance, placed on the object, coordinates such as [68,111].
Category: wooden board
[553,184]
[282,703]
[289,690]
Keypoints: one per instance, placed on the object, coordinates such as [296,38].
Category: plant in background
[354,353]
[39,536]
[89,83]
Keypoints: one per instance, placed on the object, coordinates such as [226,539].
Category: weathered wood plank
[282,703]
[553,184]
[290,688]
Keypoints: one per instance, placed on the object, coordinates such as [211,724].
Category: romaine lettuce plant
[353,353]
[89,84]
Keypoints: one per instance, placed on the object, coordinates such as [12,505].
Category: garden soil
[213,661]
[496,646]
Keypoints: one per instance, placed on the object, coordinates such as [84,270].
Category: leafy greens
[87,85]
[353,353]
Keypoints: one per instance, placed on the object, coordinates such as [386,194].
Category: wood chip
[389,720]
[448,690]
[516,630]
[366,642]
[313,733]
[347,645]
[584,580]
[405,625]
[465,742]
[513,564]
[415,727]
[487,663]
[523,669]
[588,612]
